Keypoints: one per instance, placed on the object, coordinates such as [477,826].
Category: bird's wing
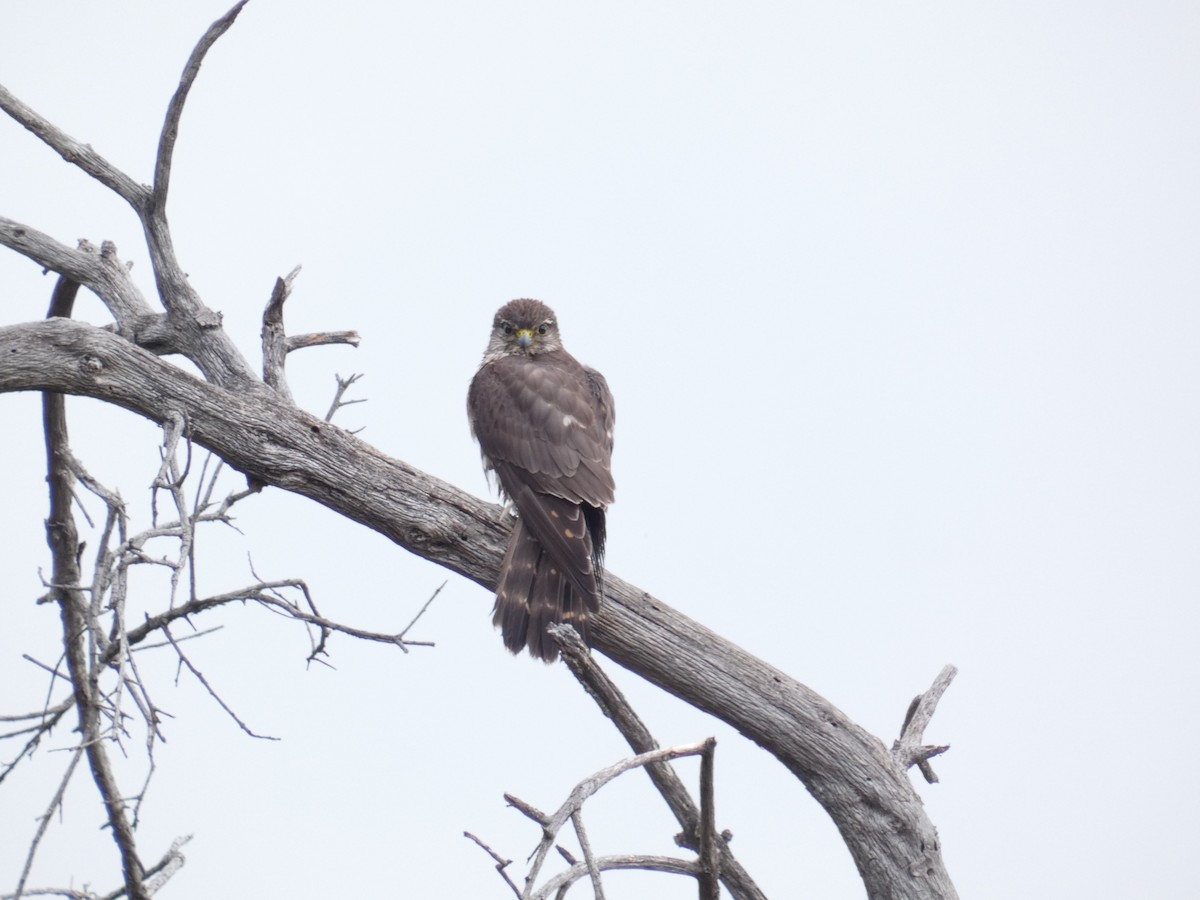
[549,418]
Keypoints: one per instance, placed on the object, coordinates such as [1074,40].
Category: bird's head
[523,328]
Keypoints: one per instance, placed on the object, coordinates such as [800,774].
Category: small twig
[212,693]
[421,611]
[501,863]
[187,637]
[589,858]
[908,750]
[44,820]
[40,714]
[343,384]
[260,593]
[41,665]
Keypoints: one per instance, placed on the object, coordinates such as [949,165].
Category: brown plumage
[545,425]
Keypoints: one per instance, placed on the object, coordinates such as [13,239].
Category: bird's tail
[532,594]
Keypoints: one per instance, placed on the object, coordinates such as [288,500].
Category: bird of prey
[544,423]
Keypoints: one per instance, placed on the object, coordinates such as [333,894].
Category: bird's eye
[543,328]
[506,327]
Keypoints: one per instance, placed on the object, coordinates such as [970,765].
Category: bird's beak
[524,338]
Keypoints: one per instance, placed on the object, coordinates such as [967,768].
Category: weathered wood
[848,771]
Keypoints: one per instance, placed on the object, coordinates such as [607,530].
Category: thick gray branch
[190,326]
[101,272]
[846,769]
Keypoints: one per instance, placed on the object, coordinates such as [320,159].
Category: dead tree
[248,420]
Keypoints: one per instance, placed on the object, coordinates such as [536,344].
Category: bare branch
[710,859]
[211,691]
[74,152]
[262,593]
[614,705]
[44,820]
[163,870]
[559,883]
[64,547]
[528,809]
[166,142]
[101,272]
[157,876]
[587,788]
[40,714]
[322,338]
[343,384]
[420,612]
[589,858]
[52,715]
[572,810]
[274,339]
[908,750]
[501,862]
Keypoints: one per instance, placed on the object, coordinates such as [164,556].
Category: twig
[44,820]
[527,809]
[501,862]
[211,691]
[260,593]
[40,714]
[343,385]
[589,858]
[41,665]
[908,750]
[420,612]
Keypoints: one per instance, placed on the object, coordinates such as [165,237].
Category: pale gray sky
[900,306]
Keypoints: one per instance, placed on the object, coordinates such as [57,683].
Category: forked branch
[699,831]
[571,811]
[908,750]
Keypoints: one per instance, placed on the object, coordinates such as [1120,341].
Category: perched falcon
[545,426]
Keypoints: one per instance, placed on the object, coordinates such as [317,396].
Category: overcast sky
[900,305]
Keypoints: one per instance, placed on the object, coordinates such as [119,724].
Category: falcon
[544,423]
